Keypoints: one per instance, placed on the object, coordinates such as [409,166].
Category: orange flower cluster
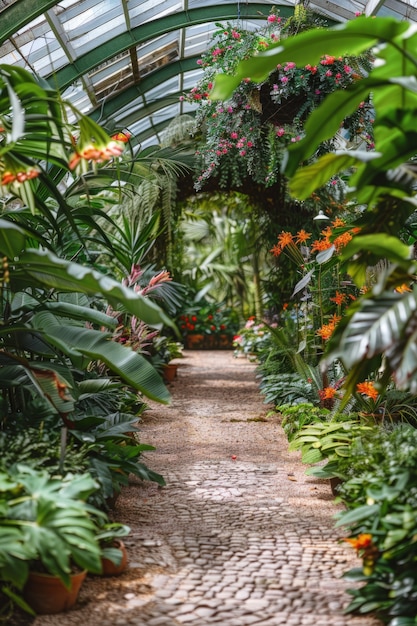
[326,331]
[18,177]
[403,288]
[339,298]
[123,137]
[338,242]
[97,154]
[367,389]
[284,239]
[327,393]
[361,542]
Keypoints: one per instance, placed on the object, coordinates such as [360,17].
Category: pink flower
[235,34]
[329,73]
[242,153]
[289,66]
[272,18]
[217,51]
[347,69]
[199,62]
[249,144]
[230,109]
[284,80]
[275,87]
[280,132]
[234,135]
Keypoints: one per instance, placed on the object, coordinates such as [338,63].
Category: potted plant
[49,537]
[114,557]
[166,350]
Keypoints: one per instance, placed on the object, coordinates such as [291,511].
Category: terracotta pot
[110,568]
[47,594]
[169,372]
[225,342]
[194,342]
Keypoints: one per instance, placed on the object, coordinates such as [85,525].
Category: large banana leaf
[83,345]
[48,270]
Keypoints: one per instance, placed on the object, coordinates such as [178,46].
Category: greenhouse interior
[208,299]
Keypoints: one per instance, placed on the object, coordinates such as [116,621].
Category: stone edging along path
[239,536]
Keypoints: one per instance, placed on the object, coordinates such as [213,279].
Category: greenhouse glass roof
[126,62]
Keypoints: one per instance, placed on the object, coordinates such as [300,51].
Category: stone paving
[240,535]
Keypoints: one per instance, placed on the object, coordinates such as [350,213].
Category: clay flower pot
[110,568]
[169,372]
[47,594]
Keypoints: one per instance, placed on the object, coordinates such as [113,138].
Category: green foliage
[48,522]
[328,440]
[383,181]
[296,416]
[381,495]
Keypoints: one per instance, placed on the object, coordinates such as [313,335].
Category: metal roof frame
[105,74]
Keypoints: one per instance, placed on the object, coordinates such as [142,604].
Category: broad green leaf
[308,179]
[76,312]
[382,245]
[359,514]
[132,367]
[12,239]
[49,270]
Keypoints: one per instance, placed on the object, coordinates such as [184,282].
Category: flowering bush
[210,319]
[252,338]
[247,134]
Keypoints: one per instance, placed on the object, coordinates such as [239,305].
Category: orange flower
[367,389]
[123,137]
[18,177]
[342,240]
[96,153]
[327,393]
[338,223]
[302,236]
[326,331]
[321,244]
[362,542]
[402,288]
[339,298]
[276,250]
[284,239]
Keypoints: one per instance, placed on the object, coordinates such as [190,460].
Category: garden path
[239,536]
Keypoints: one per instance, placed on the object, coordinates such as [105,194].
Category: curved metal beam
[21,13]
[159,76]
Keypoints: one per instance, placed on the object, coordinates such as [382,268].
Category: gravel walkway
[239,536]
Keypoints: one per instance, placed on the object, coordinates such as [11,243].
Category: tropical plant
[379,328]
[380,493]
[46,524]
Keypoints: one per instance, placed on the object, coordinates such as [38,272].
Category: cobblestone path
[239,536]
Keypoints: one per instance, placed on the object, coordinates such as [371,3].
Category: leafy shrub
[381,494]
